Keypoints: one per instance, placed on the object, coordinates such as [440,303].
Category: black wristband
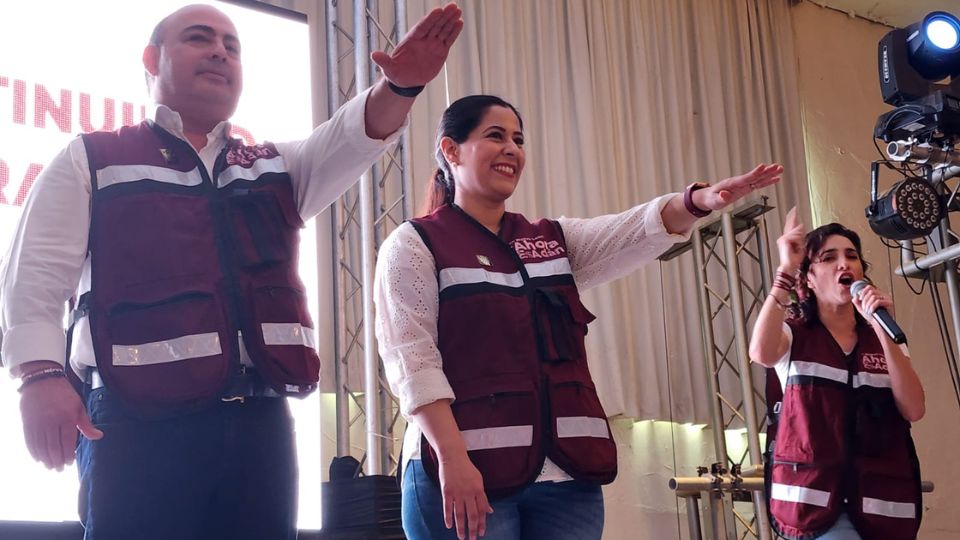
[410,91]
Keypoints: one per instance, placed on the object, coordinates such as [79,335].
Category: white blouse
[600,249]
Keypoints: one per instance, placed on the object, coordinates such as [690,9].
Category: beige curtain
[624,100]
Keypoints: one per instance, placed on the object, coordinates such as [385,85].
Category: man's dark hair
[156,37]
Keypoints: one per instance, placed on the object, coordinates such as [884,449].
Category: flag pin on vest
[482,259]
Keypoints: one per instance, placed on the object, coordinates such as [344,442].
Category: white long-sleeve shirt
[600,249]
[47,259]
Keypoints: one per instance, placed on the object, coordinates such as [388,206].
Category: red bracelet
[792,280]
[39,375]
[784,281]
[780,284]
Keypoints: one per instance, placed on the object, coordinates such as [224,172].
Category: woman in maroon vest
[843,463]
[482,305]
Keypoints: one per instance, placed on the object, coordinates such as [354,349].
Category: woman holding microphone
[844,465]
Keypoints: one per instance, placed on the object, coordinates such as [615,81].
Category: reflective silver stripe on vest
[582,426]
[119,174]
[288,334]
[171,350]
[556,267]
[497,437]
[464,276]
[892,509]
[254,171]
[799,494]
[813,369]
[877,380]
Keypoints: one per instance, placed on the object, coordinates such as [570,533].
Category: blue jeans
[545,510]
[841,530]
[226,471]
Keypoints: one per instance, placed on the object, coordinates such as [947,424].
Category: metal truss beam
[360,221]
[733,276]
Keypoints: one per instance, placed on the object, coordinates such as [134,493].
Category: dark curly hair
[804,308]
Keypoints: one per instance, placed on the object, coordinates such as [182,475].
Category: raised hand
[730,190]
[420,55]
[791,243]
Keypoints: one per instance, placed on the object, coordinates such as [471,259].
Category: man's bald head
[156,37]
[193,64]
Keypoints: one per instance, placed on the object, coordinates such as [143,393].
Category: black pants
[228,471]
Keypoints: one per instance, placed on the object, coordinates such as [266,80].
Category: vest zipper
[793,464]
[133,306]
[273,289]
[493,397]
[224,250]
[796,465]
[544,393]
[576,384]
[226,254]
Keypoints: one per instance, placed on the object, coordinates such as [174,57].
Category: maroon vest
[183,262]
[842,444]
[511,334]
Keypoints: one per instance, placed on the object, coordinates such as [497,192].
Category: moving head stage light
[919,69]
[911,62]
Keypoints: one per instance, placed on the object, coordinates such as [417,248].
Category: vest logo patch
[244,156]
[874,362]
[482,259]
[167,155]
[537,248]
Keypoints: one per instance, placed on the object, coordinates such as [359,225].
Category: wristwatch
[688,200]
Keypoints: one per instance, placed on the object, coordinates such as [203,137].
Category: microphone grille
[857,286]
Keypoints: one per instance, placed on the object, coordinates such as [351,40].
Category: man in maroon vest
[191,323]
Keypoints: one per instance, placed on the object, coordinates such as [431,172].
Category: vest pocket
[562,320]
[501,428]
[582,442]
[811,426]
[146,245]
[886,505]
[173,350]
[877,420]
[282,344]
[804,500]
[263,232]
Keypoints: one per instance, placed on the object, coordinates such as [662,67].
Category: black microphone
[881,315]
